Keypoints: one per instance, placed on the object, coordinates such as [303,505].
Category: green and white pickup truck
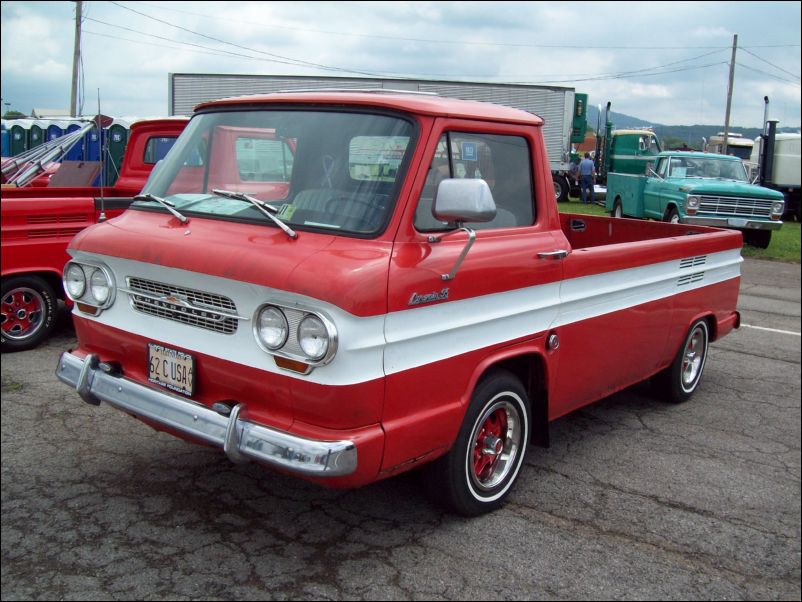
[701,189]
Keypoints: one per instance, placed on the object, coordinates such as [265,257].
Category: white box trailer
[554,104]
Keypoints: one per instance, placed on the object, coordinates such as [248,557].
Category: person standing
[587,179]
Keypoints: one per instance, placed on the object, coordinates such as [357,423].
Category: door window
[504,162]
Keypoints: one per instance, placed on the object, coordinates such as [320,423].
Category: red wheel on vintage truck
[478,472]
[496,441]
[28,312]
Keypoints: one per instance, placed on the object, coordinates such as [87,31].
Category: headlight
[778,207]
[75,281]
[692,202]
[313,337]
[271,328]
[100,287]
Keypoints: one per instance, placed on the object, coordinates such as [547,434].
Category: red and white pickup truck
[377,282]
[38,223]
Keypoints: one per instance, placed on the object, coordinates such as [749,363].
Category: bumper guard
[241,440]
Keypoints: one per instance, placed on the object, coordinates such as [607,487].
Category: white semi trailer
[563,110]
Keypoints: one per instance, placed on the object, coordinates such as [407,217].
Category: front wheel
[29,308]
[477,474]
[679,381]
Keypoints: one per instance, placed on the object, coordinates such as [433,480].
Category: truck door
[447,315]
[654,190]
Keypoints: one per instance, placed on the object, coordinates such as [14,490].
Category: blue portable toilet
[76,152]
[92,145]
[6,151]
[54,130]
[162,147]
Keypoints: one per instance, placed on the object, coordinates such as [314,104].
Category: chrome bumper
[241,440]
[740,223]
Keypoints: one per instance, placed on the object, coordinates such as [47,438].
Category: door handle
[560,254]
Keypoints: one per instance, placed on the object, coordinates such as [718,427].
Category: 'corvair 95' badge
[417,299]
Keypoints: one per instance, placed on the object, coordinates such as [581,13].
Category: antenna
[102,216]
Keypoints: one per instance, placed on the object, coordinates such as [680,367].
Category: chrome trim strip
[732,222]
[240,439]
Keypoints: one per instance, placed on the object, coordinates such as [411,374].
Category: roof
[633,131]
[438,106]
[42,113]
[698,155]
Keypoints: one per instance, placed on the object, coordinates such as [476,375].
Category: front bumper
[240,439]
[740,223]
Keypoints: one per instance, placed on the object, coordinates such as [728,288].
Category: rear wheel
[679,381]
[477,474]
[671,216]
[758,238]
[29,308]
[618,210]
[561,188]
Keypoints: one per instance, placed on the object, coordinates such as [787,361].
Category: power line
[777,77]
[771,64]
[299,62]
[275,56]
[578,46]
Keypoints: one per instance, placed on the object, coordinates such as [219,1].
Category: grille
[70,218]
[691,262]
[740,206]
[203,313]
[691,279]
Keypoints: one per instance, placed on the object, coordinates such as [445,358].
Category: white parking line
[796,334]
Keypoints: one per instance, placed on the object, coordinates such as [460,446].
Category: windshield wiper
[164,203]
[265,208]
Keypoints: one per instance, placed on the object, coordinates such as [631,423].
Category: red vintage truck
[381,282]
[38,223]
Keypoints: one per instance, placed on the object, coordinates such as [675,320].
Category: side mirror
[464,200]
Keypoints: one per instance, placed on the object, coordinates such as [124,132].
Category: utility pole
[729,92]
[76,59]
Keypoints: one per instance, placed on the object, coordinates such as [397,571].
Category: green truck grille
[739,206]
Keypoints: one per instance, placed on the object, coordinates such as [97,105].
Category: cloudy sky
[662,62]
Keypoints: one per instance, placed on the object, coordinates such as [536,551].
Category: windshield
[319,169]
[707,167]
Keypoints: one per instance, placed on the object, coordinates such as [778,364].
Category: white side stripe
[372,347]
[421,336]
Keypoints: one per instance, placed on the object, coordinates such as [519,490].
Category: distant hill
[689,134]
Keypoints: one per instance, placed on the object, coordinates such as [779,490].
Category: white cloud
[563,43]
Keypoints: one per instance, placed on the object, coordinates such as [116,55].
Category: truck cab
[698,188]
[632,151]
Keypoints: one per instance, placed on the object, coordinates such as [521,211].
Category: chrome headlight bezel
[91,270]
[693,201]
[291,347]
[777,207]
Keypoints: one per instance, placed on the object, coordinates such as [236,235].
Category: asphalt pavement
[635,499]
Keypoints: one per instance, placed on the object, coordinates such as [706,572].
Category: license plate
[170,368]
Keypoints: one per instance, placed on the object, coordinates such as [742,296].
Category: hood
[322,266]
[723,187]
